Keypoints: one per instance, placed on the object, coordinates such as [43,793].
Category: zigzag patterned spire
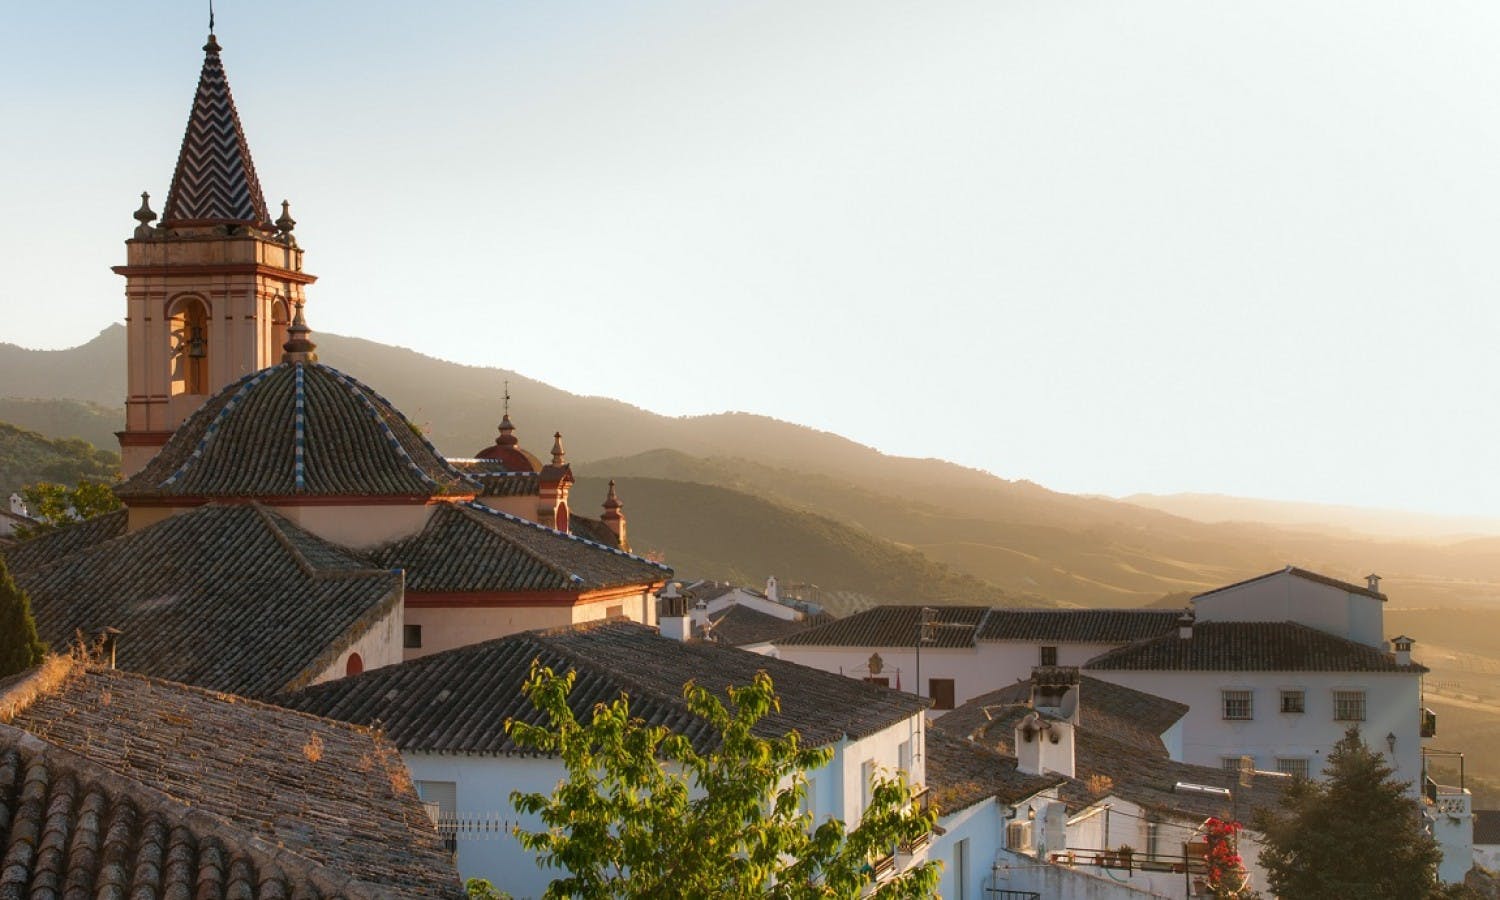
[215,178]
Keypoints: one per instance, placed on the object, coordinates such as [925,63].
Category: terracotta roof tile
[961,773]
[1250,647]
[113,784]
[458,701]
[1105,626]
[468,547]
[740,625]
[1111,710]
[233,598]
[295,429]
[894,626]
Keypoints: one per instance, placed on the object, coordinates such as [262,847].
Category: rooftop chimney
[1044,744]
[1054,691]
[1402,645]
[672,613]
[1373,582]
[1185,625]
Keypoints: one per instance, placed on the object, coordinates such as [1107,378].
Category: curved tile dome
[296,429]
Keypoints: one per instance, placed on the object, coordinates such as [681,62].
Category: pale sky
[1246,248]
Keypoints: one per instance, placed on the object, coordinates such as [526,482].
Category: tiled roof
[1251,647]
[62,541]
[1105,766]
[593,530]
[1104,626]
[740,625]
[500,484]
[233,598]
[1127,715]
[1487,826]
[116,785]
[296,429]
[468,547]
[894,626]
[961,773]
[215,177]
[458,701]
[1304,574]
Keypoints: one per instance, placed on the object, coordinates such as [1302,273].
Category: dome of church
[506,452]
[296,429]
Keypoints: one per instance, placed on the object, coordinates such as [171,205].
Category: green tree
[1358,834]
[19,647]
[643,814]
[56,505]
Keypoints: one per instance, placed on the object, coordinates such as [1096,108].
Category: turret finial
[558,454]
[299,347]
[286,223]
[145,216]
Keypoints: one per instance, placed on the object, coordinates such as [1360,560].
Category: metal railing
[1131,861]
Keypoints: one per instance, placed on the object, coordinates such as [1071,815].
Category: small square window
[411,636]
[1348,706]
[1049,656]
[1295,766]
[941,692]
[1238,704]
[1293,701]
[1229,763]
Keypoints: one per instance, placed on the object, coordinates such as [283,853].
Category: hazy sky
[1111,247]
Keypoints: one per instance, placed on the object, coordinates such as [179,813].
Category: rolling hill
[1028,541]
[27,457]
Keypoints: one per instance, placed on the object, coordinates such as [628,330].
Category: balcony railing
[1131,861]
[1429,723]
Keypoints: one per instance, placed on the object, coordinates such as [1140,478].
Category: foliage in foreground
[1358,834]
[56,505]
[643,814]
[19,647]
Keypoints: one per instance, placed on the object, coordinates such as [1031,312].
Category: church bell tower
[211,290]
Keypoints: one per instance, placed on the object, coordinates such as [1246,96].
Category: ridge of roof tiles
[228,597]
[740,625]
[1135,774]
[43,548]
[296,429]
[219,798]
[962,773]
[1125,714]
[1250,647]
[963,626]
[1304,574]
[214,181]
[458,701]
[469,547]
[895,626]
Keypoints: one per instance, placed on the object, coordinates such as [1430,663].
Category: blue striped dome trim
[364,390]
[299,468]
[476,505]
[358,390]
[213,427]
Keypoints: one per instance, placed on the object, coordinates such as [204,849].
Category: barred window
[1292,765]
[1229,763]
[1348,706]
[1293,701]
[1049,656]
[1238,704]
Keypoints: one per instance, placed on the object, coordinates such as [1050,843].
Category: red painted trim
[297,500]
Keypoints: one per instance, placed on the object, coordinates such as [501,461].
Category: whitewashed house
[955,653]
[733,615]
[446,713]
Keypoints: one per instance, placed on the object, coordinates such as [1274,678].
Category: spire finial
[558,455]
[507,398]
[286,223]
[210,17]
[299,348]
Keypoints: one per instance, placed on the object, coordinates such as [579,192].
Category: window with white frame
[1348,706]
[903,757]
[1238,704]
[867,786]
[1294,701]
[1292,765]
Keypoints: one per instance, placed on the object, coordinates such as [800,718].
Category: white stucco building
[446,713]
